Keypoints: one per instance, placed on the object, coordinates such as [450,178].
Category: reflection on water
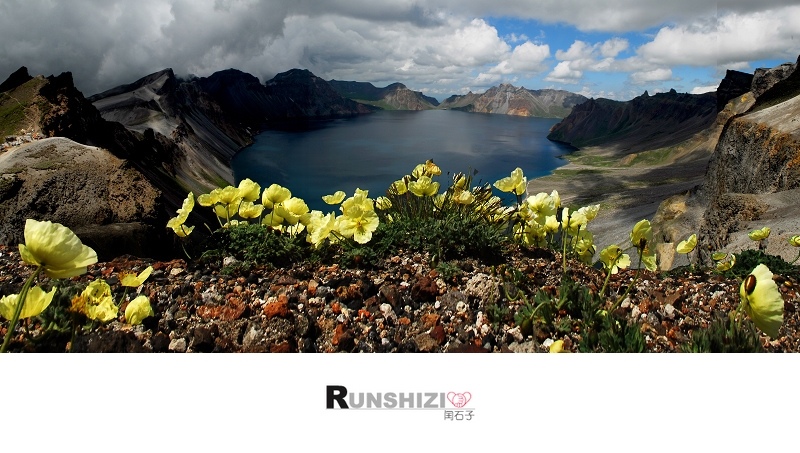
[315,158]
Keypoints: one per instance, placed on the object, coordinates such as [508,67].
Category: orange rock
[277,308]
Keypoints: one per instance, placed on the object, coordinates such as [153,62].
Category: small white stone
[461,307]
[635,312]
[669,311]
[548,342]
[516,334]
[178,345]
[175,271]
[437,305]
[626,303]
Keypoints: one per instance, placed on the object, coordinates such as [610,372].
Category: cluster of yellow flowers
[281,211]
[536,220]
[55,250]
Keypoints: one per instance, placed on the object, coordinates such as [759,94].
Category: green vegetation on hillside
[18,107]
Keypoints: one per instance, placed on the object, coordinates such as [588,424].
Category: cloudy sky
[599,48]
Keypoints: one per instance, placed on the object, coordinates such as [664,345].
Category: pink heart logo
[459,399]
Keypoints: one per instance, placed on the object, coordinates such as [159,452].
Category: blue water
[316,158]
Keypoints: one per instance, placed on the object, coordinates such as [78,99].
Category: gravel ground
[401,305]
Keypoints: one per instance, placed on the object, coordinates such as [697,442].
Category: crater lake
[318,157]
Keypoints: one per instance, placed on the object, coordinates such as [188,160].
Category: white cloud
[582,57]
[526,58]
[562,73]
[655,75]
[728,39]
[613,47]
[703,89]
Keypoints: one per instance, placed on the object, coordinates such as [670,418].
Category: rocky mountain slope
[392,97]
[211,118]
[507,99]
[645,122]
[692,185]
[753,177]
[176,135]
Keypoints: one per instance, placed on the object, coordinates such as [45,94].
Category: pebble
[177,345]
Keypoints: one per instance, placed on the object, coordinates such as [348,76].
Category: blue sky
[619,82]
[599,48]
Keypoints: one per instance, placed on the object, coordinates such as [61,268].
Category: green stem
[20,304]
[605,283]
[635,277]
[795,260]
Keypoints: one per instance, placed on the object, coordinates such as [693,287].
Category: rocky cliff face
[757,157]
[753,177]
[108,203]
[507,99]
[645,122]
[395,96]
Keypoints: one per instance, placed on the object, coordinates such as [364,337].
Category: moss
[47,165]
[14,170]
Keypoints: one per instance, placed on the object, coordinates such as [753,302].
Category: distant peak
[16,79]
[295,74]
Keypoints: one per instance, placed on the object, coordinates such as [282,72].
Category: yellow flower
[572,222]
[719,256]
[459,182]
[133,280]
[762,301]
[336,198]
[541,206]
[56,248]
[177,222]
[229,196]
[226,211]
[250,210]
[758,235]
[291,210]
[35,303]
[383,203]
[359,200]
[557,346]
[613,259]
[209,199]
[589,212]
[249,190]
[423,187]
[725,265]
[320,227]
[585,246]
[398,187]
[358,223]
[794,241]
[96,302]
[642,235]
[551,224]
[432,169]
[515,183]
[273,195]
[556,200]
[465,197]
[138,309]
[688,245]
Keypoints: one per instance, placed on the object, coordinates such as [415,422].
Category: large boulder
[85,188]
